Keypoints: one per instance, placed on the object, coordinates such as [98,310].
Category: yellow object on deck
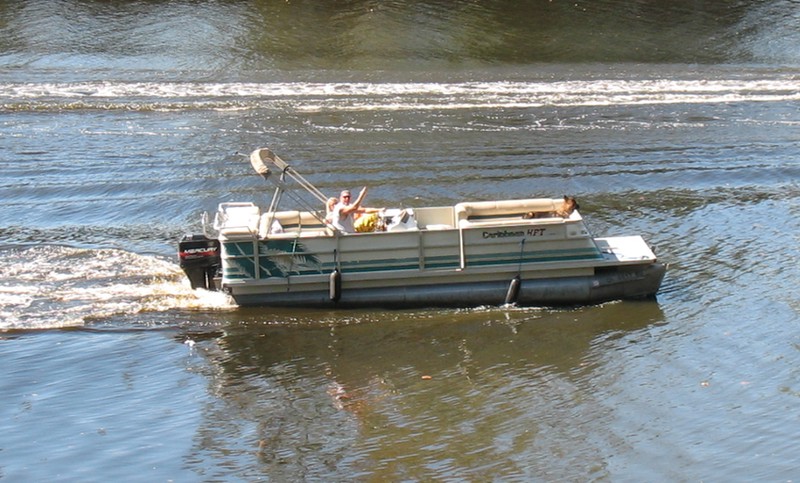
[366,223]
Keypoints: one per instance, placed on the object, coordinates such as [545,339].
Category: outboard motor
[200,259]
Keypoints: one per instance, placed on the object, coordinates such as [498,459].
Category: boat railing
[484,214]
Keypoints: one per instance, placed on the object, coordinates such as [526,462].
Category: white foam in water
[50,287]
[404,96]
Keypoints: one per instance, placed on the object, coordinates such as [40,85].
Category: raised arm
[356,204]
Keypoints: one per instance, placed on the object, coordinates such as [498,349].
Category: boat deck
[622,249]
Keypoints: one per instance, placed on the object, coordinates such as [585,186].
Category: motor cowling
[200,259]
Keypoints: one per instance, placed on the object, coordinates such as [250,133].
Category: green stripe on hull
[506,258]
[285,258]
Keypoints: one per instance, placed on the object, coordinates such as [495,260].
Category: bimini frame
[287,182]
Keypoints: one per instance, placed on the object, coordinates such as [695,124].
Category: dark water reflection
[365,35]
[421,395]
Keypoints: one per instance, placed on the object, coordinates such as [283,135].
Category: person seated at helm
[344,213]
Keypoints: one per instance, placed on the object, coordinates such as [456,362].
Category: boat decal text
[520,233]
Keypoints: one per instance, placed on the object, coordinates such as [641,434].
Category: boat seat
[480,213]
[292,224]
[237,219]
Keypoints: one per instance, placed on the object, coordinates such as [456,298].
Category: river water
[121,122]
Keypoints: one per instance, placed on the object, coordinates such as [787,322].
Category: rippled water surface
[121,122]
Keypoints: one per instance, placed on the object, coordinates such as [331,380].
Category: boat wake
[48,287]
[394,96]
